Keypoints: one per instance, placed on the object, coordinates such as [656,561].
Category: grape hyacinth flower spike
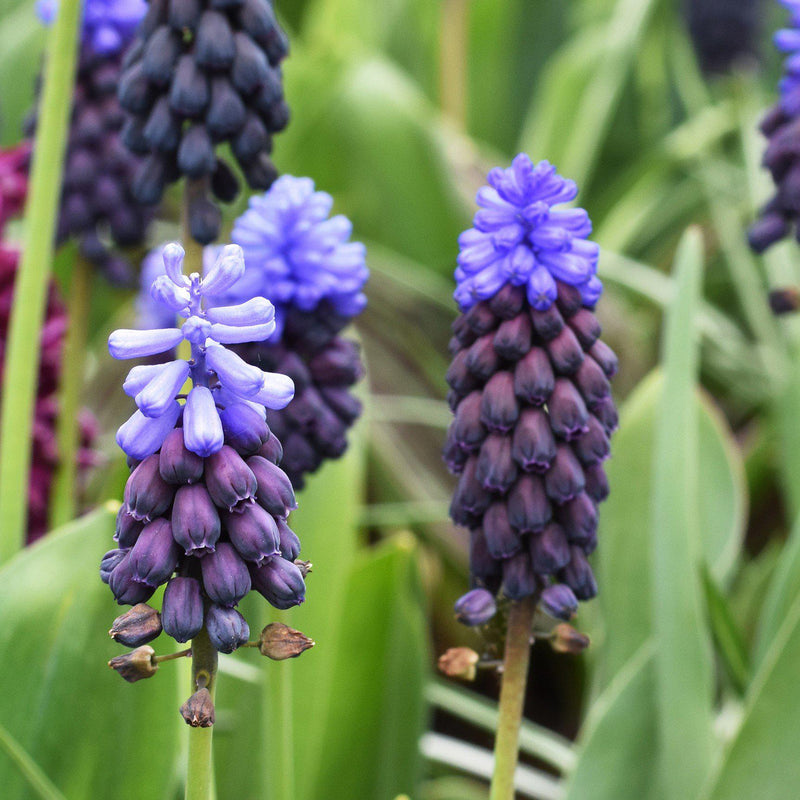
[96,196]
[199,75]
[529,387]
[315,276]
[781,126]
[206,504]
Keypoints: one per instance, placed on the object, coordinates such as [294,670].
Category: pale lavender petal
[202,429]
[257,311]
[125,343]
[175,297]
[227,269]
[139,377]
[142,436]
[276,392]
[235,374]
[173,255]
[230,334]
[156,397]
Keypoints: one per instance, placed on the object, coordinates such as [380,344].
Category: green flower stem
[200,770]
[63,499]
[22,360]
[278,744]
[512,697]
[453,46]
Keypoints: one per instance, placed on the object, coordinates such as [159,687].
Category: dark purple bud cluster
[723,32]
[324,366]
[202,73]
[97,203]
[211,529]
[533,414]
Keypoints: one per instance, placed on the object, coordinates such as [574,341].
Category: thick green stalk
[63,500]
[512,698]
[453,46]
[22,360]
[278,736]
[200,769]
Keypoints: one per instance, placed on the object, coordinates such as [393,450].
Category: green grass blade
[37,780]
[683,653]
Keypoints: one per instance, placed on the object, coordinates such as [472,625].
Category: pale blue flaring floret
[787,40]
[520,237]
[219,377]
[108,25]
[298,255]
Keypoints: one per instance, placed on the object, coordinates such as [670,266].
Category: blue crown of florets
[519,237]
[220,378]
[108,25]
[297,254]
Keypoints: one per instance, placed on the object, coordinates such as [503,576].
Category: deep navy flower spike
[529,387]
[206,504]
[199,75]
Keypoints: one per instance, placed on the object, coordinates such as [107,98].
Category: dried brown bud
[785,300]
[459,662]
[567,640]
[305,567]
[198,710]
[279,642]
[136,665]
[136,627]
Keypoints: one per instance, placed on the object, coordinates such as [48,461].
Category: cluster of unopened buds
[206,504]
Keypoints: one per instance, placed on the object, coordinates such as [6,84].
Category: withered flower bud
[136,627]
[279,642]
[198,710]
[459,662]
[568,640]
[136,665]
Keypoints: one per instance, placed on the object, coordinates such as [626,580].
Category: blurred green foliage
[689,690]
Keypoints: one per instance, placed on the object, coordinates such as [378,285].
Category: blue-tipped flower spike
[197,515]
[212,367]
[781,126]
[521,238]
[530,393]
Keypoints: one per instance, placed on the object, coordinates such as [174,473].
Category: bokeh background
[689,689]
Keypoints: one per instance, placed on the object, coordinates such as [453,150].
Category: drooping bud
[279,642]
[109,563]
[275,492]
[228,478]
[136,665]
[136,627]
[253,532]
[225,577]
[280,581]
[125,587]
[127,529]
[559,601]
[155,555]
[196,525]
[182,609]
[147,494]
[476,607]
[198,710]
[227,628]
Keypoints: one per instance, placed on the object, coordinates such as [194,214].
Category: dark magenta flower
[529,388]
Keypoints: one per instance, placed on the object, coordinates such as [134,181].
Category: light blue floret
[520,237]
